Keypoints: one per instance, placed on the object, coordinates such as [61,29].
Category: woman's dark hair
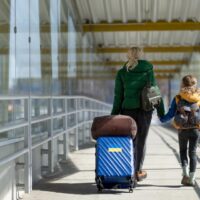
[189,81]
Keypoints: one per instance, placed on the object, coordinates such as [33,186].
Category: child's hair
[189,81]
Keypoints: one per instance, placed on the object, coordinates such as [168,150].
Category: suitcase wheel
[132,182]
[99,188]
[130,190]
[99,184]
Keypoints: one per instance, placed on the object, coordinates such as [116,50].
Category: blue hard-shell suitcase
[115,163]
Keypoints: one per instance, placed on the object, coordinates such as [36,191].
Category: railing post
[37,108]
[28,146]
[28,143]
[84,121]
[50,143]
[76,121]
[66,135]
[90,118]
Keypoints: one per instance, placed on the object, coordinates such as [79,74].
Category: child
[185,110]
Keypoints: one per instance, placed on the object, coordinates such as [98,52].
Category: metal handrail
[51,117]
[13,157]
[12,127]
[52,97]
[11,141]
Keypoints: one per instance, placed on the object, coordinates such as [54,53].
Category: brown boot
[140,175]
[185,180]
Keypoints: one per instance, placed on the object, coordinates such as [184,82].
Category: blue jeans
[190,136]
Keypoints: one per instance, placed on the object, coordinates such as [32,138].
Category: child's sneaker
[191,181]
[185,175]
[185,180]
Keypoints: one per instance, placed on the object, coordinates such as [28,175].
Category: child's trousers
[188,136]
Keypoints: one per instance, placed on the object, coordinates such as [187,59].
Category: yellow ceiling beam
[46,28]
[113,27]
[4,28]
[170,62]
[65,50]
[97,72]
[4,51]
[164,49]
[159,77]
[48,50]
[88,77]
[161,49]
[168,49]
[171,71]
[163,77]
[154,62]
[146,26]
[120,63]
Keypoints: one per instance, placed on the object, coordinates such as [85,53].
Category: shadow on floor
[90,188]
[159,186]
[75,188]
[86,146]
[63,169]
[66,167]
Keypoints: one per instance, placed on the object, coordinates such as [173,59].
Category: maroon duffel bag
[113,125]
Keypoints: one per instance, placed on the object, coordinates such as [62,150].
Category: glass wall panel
[58,125]
[35,51]
[12,48]
[40,131]
[58,106]
[22,68]
[54,15]
[72,36]
[40,107]
[59,58]
[63,46]
[45,44]
[5,9]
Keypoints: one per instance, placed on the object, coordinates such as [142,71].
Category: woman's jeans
[190,136]
[143,121]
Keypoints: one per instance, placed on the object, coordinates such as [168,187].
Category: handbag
[150,96]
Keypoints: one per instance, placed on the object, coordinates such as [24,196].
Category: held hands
[158,113]
[160,117]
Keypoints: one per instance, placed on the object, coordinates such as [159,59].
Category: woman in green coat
[129,83]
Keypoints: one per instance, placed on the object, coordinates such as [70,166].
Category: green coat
[129,84]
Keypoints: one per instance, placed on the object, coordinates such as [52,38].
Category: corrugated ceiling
[123,11]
